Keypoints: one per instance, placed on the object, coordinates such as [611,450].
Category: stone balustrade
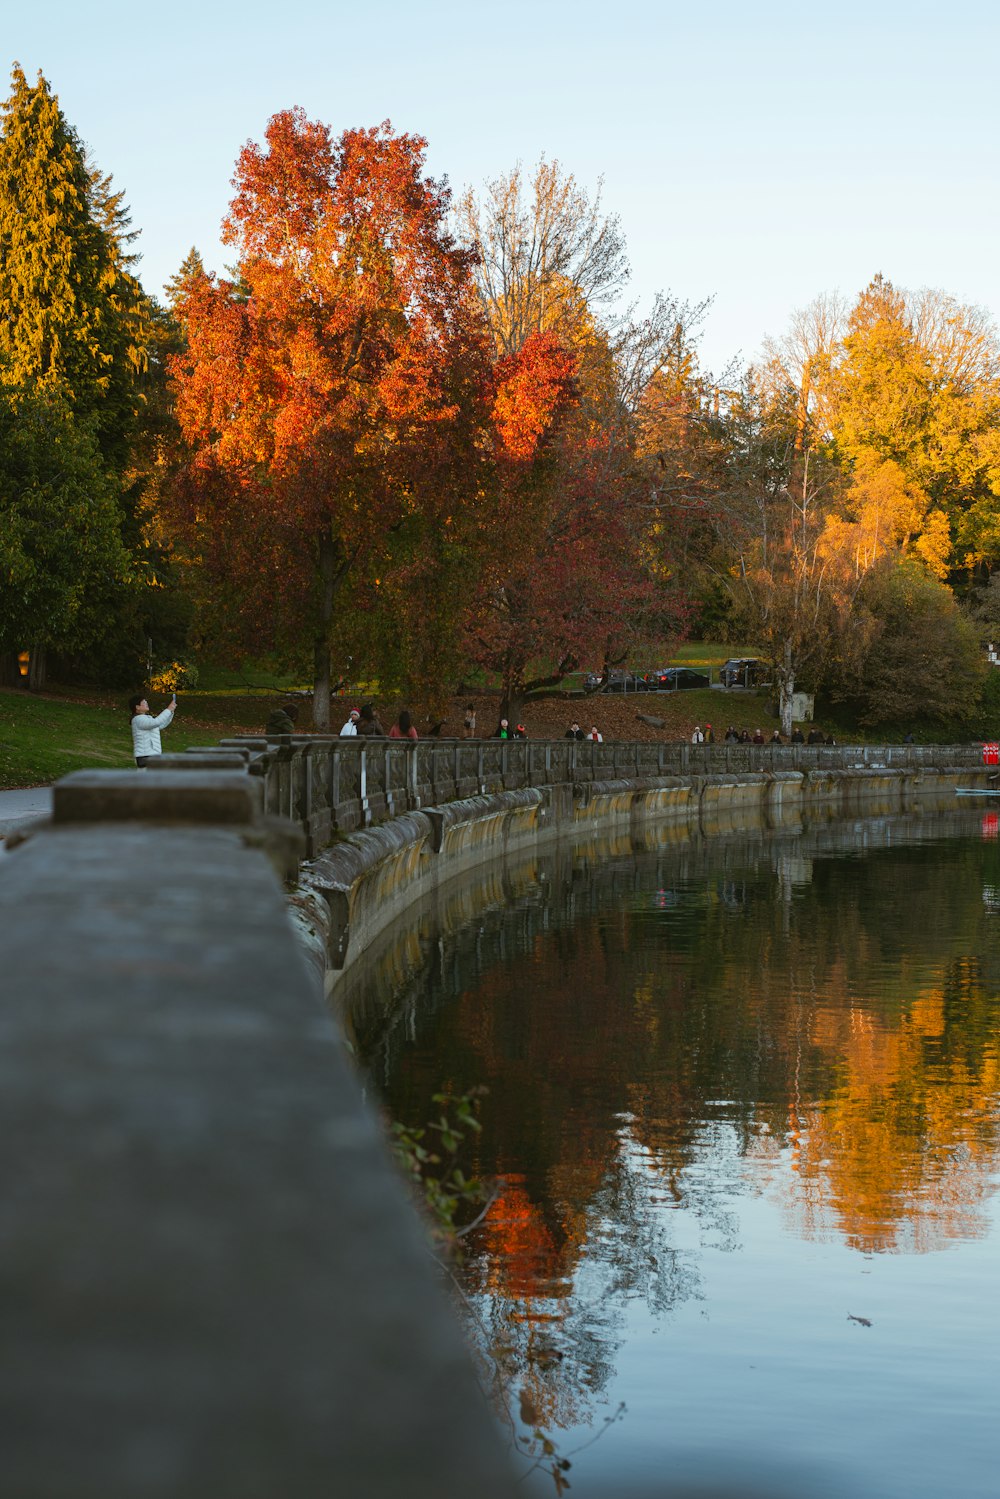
[332,786]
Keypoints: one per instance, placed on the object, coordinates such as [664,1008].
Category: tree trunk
[512,697]
[786,690]
[321,644]
[37,673]
[321,683]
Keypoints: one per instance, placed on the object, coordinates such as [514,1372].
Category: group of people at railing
[744,736]
[364,722]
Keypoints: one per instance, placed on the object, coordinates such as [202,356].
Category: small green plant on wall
[429,1156]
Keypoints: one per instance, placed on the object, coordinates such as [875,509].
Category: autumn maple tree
[328,389]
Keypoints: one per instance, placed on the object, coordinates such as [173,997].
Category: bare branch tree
[544,250]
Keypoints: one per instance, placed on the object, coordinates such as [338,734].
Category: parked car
[742,671]
[661,679]
[676,678]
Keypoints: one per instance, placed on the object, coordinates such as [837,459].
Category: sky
[757,155]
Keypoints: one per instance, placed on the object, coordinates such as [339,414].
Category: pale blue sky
[758,153]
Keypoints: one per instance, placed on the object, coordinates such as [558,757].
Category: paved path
[17,807]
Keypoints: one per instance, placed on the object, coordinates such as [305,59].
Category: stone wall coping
[199,759]
[216,1288]
[173,796]
[340,866]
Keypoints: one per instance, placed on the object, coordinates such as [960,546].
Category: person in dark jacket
[281,720]
[369,724]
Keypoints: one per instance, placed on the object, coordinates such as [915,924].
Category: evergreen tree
[188,275]
[74,316]
[75,383]
[62,559]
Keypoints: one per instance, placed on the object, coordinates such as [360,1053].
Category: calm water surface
[742,1094]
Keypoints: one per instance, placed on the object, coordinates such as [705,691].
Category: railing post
[309,753]
[366,815]
[333,784]
[413,799]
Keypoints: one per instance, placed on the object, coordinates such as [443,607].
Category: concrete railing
[334,786]
[214,1285]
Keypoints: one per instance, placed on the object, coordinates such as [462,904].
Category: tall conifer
[74,325]
[74,317]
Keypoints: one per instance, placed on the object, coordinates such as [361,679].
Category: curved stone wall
[351,892]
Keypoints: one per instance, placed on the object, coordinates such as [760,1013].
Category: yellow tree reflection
[902,1151]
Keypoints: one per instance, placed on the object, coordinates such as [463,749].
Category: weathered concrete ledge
[214,1286]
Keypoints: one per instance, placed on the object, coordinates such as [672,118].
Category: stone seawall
[216,1287]
[351,892]
[333,787]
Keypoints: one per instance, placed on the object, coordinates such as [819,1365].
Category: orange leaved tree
[329,392]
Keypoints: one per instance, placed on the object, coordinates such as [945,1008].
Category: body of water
[742,1117]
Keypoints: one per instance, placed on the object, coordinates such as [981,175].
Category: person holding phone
[146,728]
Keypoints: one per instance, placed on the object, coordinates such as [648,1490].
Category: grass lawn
[46,735]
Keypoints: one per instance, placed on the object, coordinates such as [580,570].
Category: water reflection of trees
[829,1020]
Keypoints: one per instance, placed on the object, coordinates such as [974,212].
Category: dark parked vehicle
[664,679]
[742,671]
[676,678]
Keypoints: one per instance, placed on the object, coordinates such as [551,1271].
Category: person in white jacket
[350,729]
[146,728]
